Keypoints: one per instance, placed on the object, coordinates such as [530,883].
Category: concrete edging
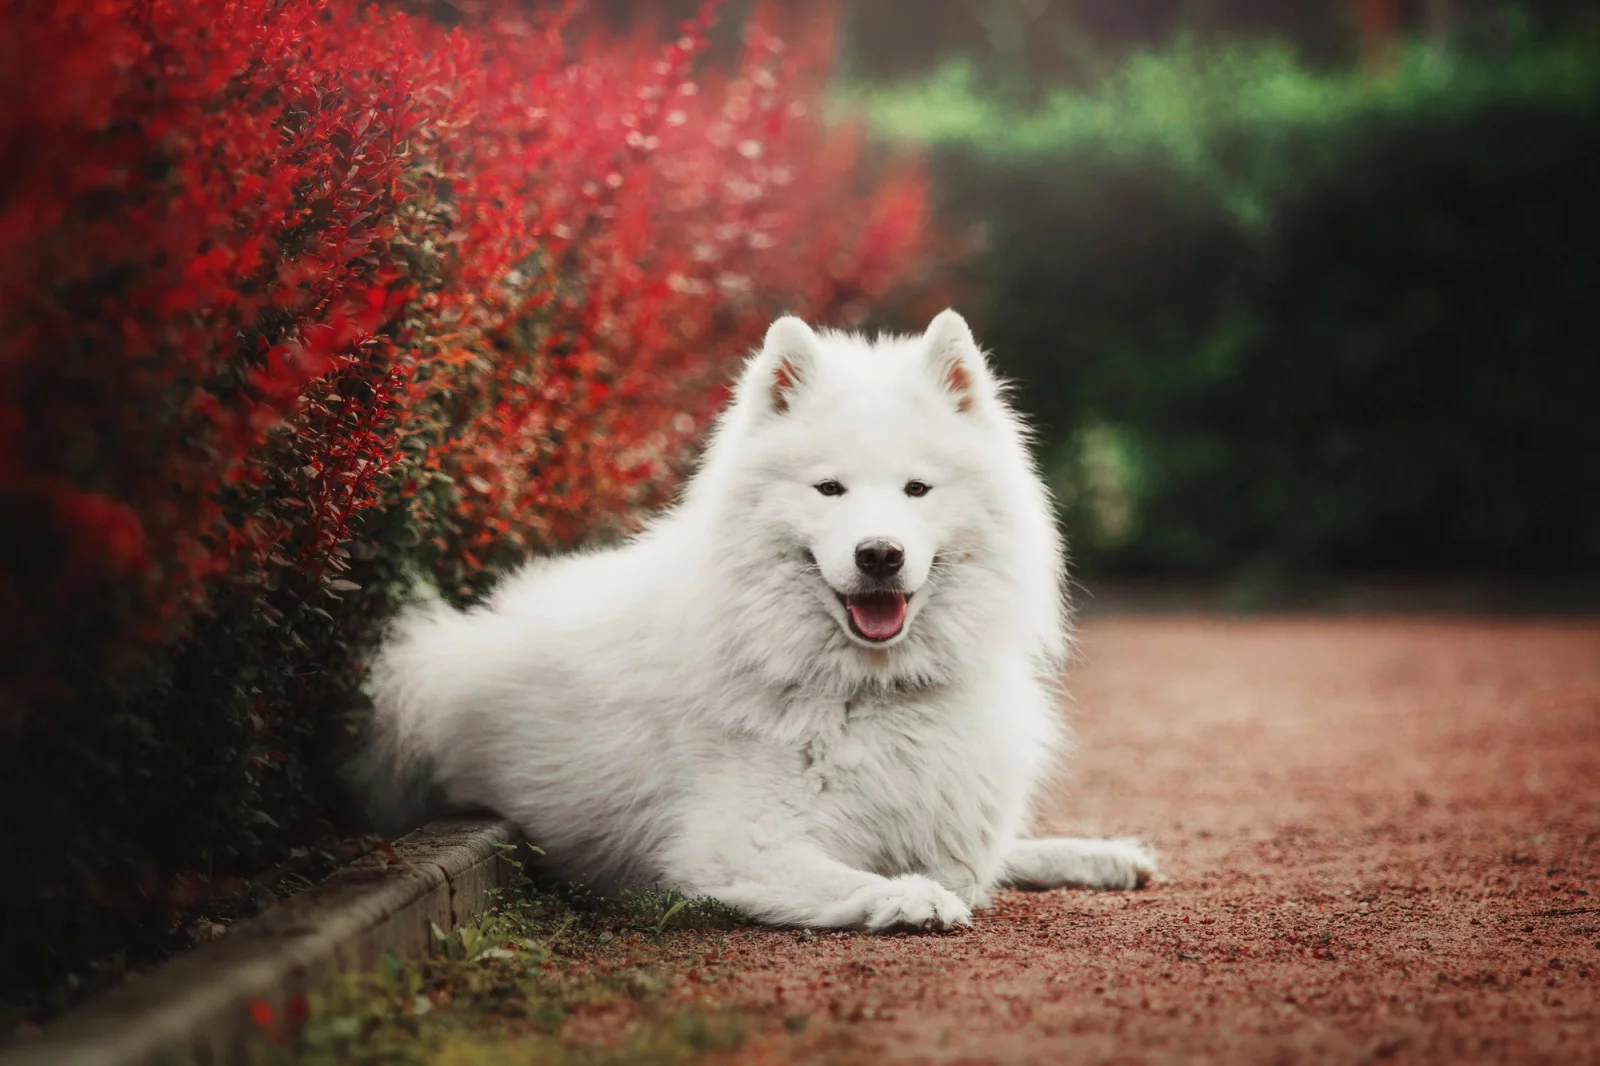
[197,1008]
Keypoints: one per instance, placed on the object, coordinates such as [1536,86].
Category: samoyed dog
[821,689]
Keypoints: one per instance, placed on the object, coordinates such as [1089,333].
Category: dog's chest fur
[900,785]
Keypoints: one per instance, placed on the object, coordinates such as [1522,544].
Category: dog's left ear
[955,361]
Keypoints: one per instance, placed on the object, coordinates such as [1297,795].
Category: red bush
[197,203]
[675,216]
[302,298]
[272,262]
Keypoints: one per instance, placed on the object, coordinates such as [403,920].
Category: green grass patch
[546,975]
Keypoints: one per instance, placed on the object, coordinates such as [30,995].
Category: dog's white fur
[692,709]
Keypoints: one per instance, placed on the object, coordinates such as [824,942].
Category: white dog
[821,689]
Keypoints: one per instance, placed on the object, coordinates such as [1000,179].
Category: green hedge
[1273,318]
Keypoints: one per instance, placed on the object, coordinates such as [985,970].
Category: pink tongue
[878,615]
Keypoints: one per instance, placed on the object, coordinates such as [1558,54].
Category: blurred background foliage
[1290,289]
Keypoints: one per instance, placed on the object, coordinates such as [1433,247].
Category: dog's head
[875,482]
[870,456]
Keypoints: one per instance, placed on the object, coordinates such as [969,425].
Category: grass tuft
[558,975]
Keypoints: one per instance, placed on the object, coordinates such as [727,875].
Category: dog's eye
[830,487]
[917,488]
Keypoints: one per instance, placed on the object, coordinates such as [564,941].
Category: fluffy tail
[408,684]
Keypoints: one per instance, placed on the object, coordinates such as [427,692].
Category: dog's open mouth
[876,615]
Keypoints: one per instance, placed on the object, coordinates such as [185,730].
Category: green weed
[503,988]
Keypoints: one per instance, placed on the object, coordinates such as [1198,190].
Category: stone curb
[197,1008]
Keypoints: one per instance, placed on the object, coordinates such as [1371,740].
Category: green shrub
[1278,318]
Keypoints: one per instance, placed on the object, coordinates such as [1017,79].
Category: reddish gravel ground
[1379,840]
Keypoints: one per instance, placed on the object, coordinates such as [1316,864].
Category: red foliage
[271,263]
[196,195]
[674,218]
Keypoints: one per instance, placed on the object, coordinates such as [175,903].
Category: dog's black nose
[879,558]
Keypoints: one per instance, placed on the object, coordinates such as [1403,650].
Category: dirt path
[1380,837]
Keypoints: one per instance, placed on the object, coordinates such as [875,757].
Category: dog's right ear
[787,361]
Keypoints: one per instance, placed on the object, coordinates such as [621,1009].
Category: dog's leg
[799,884]
[961,878]
[1062,861]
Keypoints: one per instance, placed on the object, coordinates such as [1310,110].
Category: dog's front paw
[913,902]
[1122,863]
[1074,862]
